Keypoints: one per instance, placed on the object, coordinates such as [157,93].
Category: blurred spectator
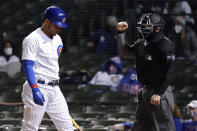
[120,127]
[191,124]
[184,38]
[111,74]
[153,7]
[9,62]
[177,118]
[105,40]
[129,83]
[183,7]
[157,7]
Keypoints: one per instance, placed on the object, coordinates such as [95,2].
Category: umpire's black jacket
[154,61]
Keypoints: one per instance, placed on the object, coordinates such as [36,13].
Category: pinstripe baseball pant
[55,106]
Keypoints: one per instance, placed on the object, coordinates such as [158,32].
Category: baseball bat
[75,124]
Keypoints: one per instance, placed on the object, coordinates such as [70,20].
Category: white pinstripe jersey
[44,51]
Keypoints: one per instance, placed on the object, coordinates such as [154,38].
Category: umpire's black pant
[154,118]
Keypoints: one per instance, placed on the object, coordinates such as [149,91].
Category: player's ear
[46,22]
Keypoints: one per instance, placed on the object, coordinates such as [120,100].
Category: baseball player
[155,68]
[41,93]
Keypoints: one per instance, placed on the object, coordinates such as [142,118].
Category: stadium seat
[3,74]
[11,115]
[189,89]
[81,98]
[10,122]
[95,129]
[76,108]
[48,129]
[182,99]
[10,96]
[84,123]
[127,109]
[89,116]
[96,89]
[8,128]
[105,123]
[116,98]
[11,108]
[101,109]
[46,116]
[68,88]
[116,116]
[47,123]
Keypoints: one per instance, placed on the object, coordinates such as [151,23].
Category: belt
[52,83]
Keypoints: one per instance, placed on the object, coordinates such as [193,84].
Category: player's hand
[155,99]
[122,26]
[38,96]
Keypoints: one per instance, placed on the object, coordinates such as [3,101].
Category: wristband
[34,86]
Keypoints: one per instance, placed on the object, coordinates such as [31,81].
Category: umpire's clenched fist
[122,26]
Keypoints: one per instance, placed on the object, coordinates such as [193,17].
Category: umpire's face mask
[144,30]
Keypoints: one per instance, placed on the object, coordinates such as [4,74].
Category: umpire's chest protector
[150,61]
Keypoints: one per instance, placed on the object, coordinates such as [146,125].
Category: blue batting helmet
[56,15]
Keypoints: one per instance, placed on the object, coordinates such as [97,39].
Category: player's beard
[51,33]
[54,32]
[51,30]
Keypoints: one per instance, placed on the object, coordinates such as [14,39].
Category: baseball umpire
[41,93]
[155,58]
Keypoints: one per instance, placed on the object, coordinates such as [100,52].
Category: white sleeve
[94,79]
[59,39]
[2,61]
[14,59]
[186,7]
[29,49]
